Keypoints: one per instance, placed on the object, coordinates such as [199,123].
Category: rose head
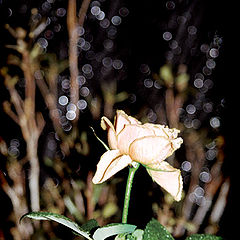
[149,144]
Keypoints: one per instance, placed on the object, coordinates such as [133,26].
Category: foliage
[90,230]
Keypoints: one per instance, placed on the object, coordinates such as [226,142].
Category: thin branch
[73,56]
[73,24]
[9,112]
[83,11]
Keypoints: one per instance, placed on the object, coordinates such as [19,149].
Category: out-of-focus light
[148,83]
[108,44]
[80,30]
[86,68]
[95,3]
[204,48]
[152,116]
[63,120]
[170,5]
[65,84]
[71,107]
[173,44]
[205,177]
[86,46]
[84,91]
[186,166]
[61,12]
[81,104]
[157,85]
[63,100]
[107,62]
[101,15]
[49,34]
[42,42]
[207,71]
[207,107]
[81,42]
[112,32]
[123,12]
[81,80]
[215,122]
[67,127]
[167,36]
[71,115]
[13,151]
[192,30]
[15,142]
[95,10]
[116,20]
[208,83]
[211,154]
[187,123]
[199,191]
[144,68]
[210,63]
[46,6]
[196,123]
[117,64]
[104,23]
[214,52]
[198,83]
[191,109]
[51,145]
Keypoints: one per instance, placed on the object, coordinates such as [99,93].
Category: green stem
[131,174]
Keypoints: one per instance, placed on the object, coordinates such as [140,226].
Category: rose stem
[131,174]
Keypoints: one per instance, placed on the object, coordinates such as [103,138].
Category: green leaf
[89,225]
[155,231]
[112,229]
[203,237]
[136,235]
[60,219]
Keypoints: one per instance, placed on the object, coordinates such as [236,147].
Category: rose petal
[130,133]
[121,120]
[163,131]
[169,178]
[152,149]
[110,163]
[112,138]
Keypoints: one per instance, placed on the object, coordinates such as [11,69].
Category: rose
[149,144]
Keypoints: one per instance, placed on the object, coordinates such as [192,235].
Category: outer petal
[163,131]
[130,133]
[152,149]
[123,119]
[110,163]
[169,178]
[112,138]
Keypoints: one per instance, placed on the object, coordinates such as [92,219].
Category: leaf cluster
[91,230]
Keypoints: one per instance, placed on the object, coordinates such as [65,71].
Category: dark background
[140,41]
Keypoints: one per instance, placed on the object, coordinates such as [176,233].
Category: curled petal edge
[110,163]
[169,178]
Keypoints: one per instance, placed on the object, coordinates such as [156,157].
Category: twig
[73,56]
[73,25]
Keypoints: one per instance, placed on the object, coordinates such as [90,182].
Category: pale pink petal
[163,131]
[130,133]
[151,149]
[169,178]
[110,163]
[121,119]
[106,123]
[112,138]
